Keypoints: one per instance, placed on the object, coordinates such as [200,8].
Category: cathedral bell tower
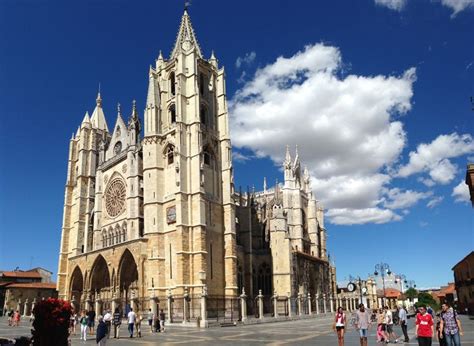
[187,170]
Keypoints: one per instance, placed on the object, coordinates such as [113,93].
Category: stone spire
[186,39]
[153,96]
[86,120]
[288,155]
[98,117]
[134,125]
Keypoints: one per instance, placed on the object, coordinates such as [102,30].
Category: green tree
[411,293]
[427,299]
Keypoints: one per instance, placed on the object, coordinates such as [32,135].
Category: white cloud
[435,201]
[361,216]
[457,5]
[427,181]
[461,192]
[433,158]
[247,59]
[398,199]
[344,126]
[239,157]
[396,5]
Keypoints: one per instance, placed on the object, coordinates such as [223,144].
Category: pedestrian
[108,322]
[16,318]
[150,319]
[339,324]
[156,322]
[381,326]
[10,317]
[84,323]
[138,325]
[72,326]
[424,327]
[363,324]
[162,321]
[450,326]
[389,325]
[403,319]
[117,323]
[439,333]
[91,321]
[131,321]
[101,336]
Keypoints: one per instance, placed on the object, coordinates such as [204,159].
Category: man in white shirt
[402,316]
[108,322]
[389,324]
[131,321]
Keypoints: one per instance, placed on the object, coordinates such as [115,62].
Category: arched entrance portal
[128,280]
[100,283]
[76,288]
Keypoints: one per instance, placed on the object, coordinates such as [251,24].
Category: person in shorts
[339,325]
[363,324]
[150,316]
[91,321]
[389,324]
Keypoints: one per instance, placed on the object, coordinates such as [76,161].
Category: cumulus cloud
[396,5]
[239,157]
[461,192]
[347,126]
[398,199]
[433,158]
[455,5]
[435,201]
[247,59]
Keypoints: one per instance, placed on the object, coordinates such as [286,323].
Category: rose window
[115,195]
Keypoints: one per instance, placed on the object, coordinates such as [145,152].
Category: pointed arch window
[172,112]
[172,84]
[208,158]
[170,154]
[203,115]
[201,84]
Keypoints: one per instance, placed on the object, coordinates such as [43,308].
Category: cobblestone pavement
[301,332]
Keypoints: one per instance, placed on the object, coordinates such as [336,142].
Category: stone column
[331,303]
[324,304]
[290,313]
[25,307]
[169,297]
[299,304]
[18,305]
[316,297]
[260,304]
[33,306]
[243,305]
[204,322]
[309,304]
[275,304]
[98,307]
[185,305]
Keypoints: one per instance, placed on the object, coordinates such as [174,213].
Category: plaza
[313,331]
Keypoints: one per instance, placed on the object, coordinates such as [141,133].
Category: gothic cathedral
[146,219]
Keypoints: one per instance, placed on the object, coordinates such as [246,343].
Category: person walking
[450,326]
[389,325]
[381,326]
[108,322]
[10,317]
[403,320]
[424,327]
[91,321]
[131,321]
[162,321]
[138,325]
[339,324]
[101,336]
[117,323]
[83,322]
[16,318]
[150,319]
[363,324]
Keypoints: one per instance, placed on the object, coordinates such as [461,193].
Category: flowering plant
[51,323]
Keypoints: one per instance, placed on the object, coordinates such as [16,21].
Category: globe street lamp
[402,279]
[359,282]
[382,269]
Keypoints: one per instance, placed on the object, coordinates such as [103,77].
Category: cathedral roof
[185,33]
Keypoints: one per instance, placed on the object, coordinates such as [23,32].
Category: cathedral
[151,212]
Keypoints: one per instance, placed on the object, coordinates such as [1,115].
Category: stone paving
[301,332]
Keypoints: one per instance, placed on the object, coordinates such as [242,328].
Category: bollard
[260,304]
[243,305]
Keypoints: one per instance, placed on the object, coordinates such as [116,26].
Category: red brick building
[464,283]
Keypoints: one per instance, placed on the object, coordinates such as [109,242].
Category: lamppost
[402,279]
[382,268]
[410,283]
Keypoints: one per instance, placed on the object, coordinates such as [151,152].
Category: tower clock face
[115,196]
[351,287]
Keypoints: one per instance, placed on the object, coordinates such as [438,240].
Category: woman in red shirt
[424,327]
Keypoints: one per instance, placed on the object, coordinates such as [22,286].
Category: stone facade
[147,219]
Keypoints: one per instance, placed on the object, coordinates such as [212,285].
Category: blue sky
[374,93]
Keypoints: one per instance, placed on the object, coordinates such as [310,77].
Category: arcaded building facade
[150,209]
